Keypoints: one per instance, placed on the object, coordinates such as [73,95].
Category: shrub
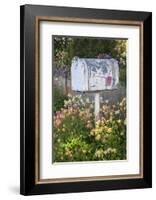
[110,132]
[78,138]
[122,76]
[59,98]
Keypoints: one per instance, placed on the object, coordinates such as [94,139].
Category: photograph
[86,93]
[89,98]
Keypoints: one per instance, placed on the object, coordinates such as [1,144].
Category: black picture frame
[28,16]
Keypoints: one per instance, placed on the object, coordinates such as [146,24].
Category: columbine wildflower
[119,121]
[109,130]
[99,153]
[98,137]
[104,134]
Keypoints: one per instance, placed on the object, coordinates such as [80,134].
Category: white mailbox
[94,74]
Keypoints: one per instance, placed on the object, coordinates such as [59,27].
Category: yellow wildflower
[105,127]
[109,130]
[98,137]
[111,119]
[97,123]
[119,121]
[92,132]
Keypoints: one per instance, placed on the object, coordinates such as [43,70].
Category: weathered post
[97,105]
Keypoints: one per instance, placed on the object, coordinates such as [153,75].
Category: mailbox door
[79,76]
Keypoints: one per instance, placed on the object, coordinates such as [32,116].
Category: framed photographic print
[86,99]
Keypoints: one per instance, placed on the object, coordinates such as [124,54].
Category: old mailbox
[94,74]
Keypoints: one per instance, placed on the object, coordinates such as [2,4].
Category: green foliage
[90,48]
[65,48]
[122,76]
[110,132]
[78,138]
[71,140]
[61,52]
[59,98]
